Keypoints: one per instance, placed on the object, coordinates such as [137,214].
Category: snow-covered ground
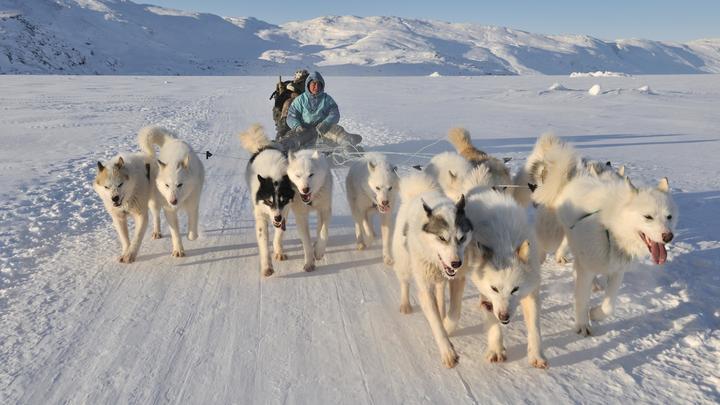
[78,327]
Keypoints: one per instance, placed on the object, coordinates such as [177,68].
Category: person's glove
[298,129]
[323,127]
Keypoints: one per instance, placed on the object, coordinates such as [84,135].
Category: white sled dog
[551,165]
[309,172]
[499,172]
[271,191]
[126,185]
[609,224]
[179,181]
[505,265]
[429,241]
[449,170]
[371,185]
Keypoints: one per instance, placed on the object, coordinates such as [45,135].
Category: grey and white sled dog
[551,165]
[505,265]
[449,170]
[126,185]
[179,181]
[429,241]
[270,190]
[309,172]
[608,225]
[371,186]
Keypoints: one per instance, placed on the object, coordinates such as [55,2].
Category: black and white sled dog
[271,191]
[608,225]
[371,186]
[550,166]
[179,181]
[504,265]
[309,173]
[126,185]
[429,240]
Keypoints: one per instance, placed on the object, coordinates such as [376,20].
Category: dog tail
[460,139]
[550,167]
[254,139]
[415,184]
[150,136]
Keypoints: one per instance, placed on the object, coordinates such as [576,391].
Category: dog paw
[318,251]
[309,267]
[267,272]
[127,258]
[192,235]
[360,246]
[178,253]
[562,260]
[156,235]
[280,256]
[405,308]
[583,330]
[496,355]
[388,260]
[538,362]
[450,359]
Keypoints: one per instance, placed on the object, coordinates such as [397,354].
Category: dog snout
[456,264]
[115,198]
[173,201]
[277,218]
[305,190]
[385,202]
[504,317]
[667,237]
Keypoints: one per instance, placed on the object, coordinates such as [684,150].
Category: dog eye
[377,188]
[179,185]
[442,238]
[669,217]
[514,290]
[120,185]
[167,185]
[311,174]
[649,217]
[389,188]
[495,289]
[462,239]
[107,187]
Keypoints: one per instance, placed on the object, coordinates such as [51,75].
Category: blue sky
[606,19]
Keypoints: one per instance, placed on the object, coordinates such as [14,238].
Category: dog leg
[155,213]
[140,228]
[278,252]
[429,307]
[323,224]
[120,223]
[301,219]
[562,252]
[358,219]
[608,305]
[261,234]
[496,350]
[457,287]
[368,227]
[440,298]
[172,220]
[193,213]
[386,231]
[530,307]
[583,289]
[405,306]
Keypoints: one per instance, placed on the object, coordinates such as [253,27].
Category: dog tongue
[658,252]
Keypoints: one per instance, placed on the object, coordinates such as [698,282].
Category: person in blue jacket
[314,113]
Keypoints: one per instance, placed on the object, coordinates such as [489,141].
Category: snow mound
[595,90]
[557,87]
[645,90]
[435,74]
[599,73]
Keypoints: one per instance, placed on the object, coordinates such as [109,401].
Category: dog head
[507,276]
[449,169]
[446,232]
[273,198]
[647,221]
[171,180]
[382,184]
[307,171]
[113,182]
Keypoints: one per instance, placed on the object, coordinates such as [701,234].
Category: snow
[123,37]
[595,90]
[435,74]
[78,327]
[599,73]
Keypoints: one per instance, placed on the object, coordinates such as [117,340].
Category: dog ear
[186,161]
[593,170]
[316,154]
[291,156]
[161,164]
[621,171]
[100,166]
[260,178]
[506,159]
[486,251]
[631,186]
[664,185]
[394,169]
[371,165]
[608,164]
[427,209]
[120,163]
[453,176]
[460,205]
[523,251]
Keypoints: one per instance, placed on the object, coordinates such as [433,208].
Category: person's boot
[341,137]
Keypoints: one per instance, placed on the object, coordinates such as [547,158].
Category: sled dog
[371,186]
[179,181]
[309,173]
[429,241]
[449,169]
[270,190]
[460,139]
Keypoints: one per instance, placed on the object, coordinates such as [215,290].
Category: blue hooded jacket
[309,109]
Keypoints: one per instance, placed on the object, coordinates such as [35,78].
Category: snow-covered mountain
[123,37]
